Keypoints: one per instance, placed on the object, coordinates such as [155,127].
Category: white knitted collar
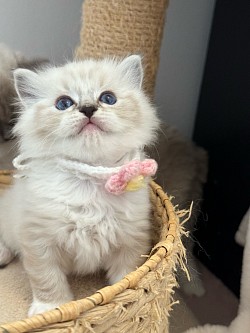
[23,163]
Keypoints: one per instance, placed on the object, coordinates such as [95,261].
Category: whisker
[43,142]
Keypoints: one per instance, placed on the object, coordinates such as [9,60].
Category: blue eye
[63,103]
[108,98]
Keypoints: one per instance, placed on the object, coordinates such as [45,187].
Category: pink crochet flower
[118,182]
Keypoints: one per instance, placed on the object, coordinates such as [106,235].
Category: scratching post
[119,28]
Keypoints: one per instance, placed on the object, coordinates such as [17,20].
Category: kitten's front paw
[40,307]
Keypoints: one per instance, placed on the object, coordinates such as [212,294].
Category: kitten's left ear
[132,69]
[28,85]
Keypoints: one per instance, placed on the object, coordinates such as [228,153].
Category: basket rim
[73,309]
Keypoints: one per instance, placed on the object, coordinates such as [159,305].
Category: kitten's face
[90,110]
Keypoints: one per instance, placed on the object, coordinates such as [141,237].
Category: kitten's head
[91,110]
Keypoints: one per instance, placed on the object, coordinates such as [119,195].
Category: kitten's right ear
[132,69]
[27,84]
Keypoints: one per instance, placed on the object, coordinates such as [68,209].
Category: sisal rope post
[120,28]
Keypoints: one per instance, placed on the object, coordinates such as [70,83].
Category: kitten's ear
[132,69]
[27,84]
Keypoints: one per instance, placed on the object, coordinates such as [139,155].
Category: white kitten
[57,218]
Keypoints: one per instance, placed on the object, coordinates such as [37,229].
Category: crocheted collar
[127,177]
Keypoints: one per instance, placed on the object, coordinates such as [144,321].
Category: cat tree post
[119,28]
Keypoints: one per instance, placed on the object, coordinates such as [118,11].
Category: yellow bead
[135,183]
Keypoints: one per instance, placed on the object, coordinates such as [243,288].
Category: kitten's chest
[85,201]
[67,189]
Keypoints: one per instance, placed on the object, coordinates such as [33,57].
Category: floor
[218,306]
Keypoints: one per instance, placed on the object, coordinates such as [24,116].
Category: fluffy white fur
[56,222]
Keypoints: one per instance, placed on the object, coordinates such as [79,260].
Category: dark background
[223,129]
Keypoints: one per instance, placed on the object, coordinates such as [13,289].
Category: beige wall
[48,28]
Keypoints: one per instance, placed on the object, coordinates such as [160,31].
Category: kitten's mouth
[90,126]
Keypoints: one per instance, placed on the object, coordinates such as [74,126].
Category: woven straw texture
[138,303]
[119,28]
[5,179]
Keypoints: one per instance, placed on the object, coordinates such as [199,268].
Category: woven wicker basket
[138,303]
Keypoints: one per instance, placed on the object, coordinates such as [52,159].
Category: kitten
[10,60]
[59,219]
